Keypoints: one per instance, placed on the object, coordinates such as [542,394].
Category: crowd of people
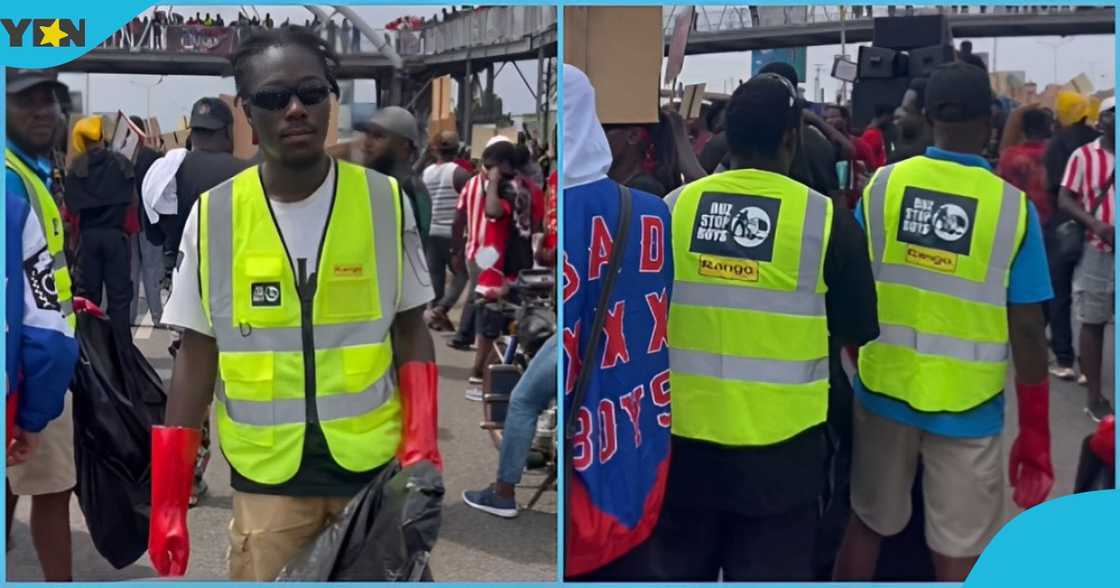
[835,309]
[160,220]
[341,35]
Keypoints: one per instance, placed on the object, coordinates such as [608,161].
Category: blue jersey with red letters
[620,452]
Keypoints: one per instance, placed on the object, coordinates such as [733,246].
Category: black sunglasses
[277,98]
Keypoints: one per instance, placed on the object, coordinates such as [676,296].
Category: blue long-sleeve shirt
[41,350]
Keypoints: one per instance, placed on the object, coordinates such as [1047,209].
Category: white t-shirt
[301,224]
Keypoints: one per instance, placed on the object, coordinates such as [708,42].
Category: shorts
[268,530]
[1094,286]
[51,468]
[962,482]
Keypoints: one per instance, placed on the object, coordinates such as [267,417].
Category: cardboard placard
[626,82]
[127,137]
[243,145]
[677,43]
[441,99]
[693,101]
[481,134]
[436,127]
[1080,84]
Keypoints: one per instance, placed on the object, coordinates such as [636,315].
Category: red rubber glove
[1103,442]
[419,393]
[174,450]
[84,305]
[1032,474]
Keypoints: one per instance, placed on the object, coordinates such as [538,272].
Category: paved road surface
[473,546]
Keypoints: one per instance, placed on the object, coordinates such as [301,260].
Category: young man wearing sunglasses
[299,288]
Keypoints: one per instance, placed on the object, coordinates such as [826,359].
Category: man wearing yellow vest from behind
[765,271]
[299,286]
[961,272]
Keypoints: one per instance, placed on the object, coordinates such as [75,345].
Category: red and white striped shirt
[1087,172]
[472,199]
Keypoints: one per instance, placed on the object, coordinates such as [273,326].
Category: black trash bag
[386,533]
[118,396]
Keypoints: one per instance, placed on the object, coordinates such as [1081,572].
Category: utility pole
[818,92]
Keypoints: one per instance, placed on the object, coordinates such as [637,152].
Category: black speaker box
[880,62]
[910,32]
[924,59]
[869,95]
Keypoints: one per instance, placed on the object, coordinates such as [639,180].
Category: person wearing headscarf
[1072,112]
[100,188]
[618,481]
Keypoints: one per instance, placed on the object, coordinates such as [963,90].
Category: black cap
[783,69]
[210,114]
[958,92]
[20,79]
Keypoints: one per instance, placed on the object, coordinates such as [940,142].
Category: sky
[1095,55]
[172,97]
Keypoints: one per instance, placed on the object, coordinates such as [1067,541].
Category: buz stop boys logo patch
[937,220]
[266,294]
[735,225]
[939,223]
[732,233]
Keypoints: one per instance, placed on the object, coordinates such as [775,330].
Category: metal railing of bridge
[732,18]
[482,26]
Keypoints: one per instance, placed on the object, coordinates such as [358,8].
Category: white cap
[1108,104]
[498,139]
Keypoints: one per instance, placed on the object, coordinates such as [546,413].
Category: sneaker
[474,381]
[487,500]
[1083,380]
[474,393]
[1098,409]
[457,344]
[1063,372]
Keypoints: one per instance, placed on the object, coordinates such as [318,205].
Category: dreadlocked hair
[262,39]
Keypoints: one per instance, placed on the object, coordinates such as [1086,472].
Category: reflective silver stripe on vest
[733,297]
[58,261]
[67,307]
[941,345]
[294,410]
[768,371]
[290,339]
[992,290]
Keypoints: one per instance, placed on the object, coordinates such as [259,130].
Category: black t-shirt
[200,171]
[100,185]
[648,184]
[769,480]
[813,164]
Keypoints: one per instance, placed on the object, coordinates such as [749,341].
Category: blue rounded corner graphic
[45,35]
[1069,541]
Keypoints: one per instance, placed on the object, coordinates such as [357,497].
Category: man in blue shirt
[33,119]
[961,451]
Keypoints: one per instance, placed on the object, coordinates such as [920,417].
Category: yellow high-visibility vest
[42,202]
[284,363]
[942,239]
[748,336]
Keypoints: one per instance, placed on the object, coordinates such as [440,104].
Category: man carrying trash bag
[298,286]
